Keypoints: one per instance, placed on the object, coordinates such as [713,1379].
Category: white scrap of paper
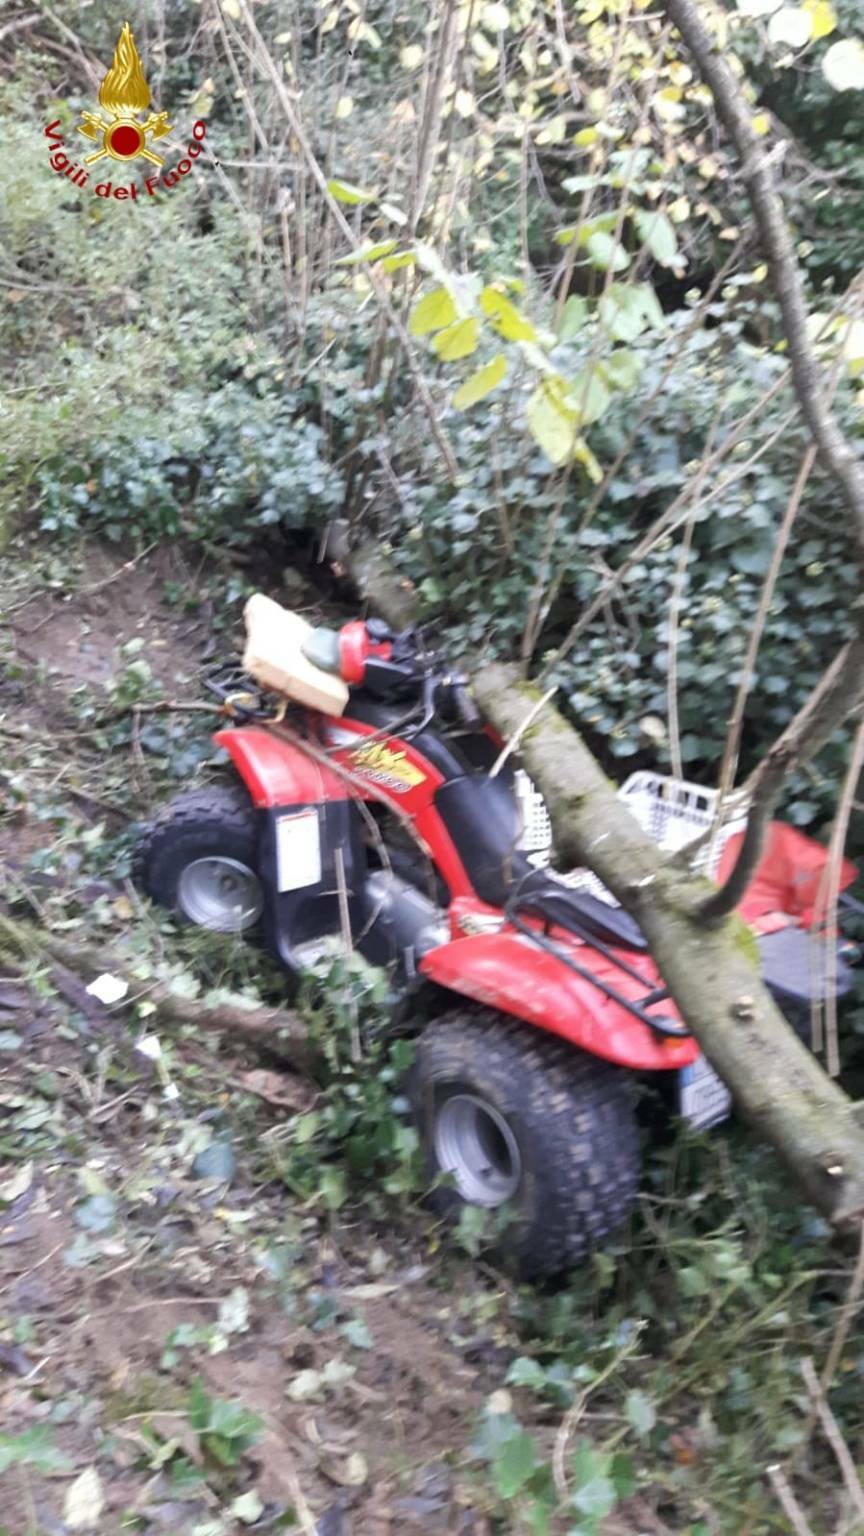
[149,1046]
[108,989]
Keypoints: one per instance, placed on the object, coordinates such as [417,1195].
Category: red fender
[790,877]
[506,972]
[277,773]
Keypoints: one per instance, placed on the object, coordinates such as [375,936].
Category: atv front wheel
[510,1117]
[199,859]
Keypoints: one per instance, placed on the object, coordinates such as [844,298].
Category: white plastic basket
[536,827]
[672,812]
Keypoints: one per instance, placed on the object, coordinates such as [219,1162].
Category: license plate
[703,1097]
[298,850]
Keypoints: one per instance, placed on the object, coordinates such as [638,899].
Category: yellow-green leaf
[458,340]
[481,383]
[505,317]
[583,455]
[823,17]
[552,424]
[554,131]
[344,192]
[397,260]
[368,253]
[432,312]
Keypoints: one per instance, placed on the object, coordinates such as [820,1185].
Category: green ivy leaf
[597,1497]
[346,192]
[481,383]
[604,252]
[581,183]
[305,1127]
[457,340]
[505,318]
[627,310]
[526,1372]
[514,1464]
[641,1412]
[333,1188]
[432,313]
[655,231]
[574,317]
[621,369]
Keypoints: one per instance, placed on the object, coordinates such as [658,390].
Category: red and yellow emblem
[124,93]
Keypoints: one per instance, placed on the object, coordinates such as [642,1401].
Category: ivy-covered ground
[211,1321]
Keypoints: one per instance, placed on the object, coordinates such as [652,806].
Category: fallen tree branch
[712,972]
[280,1029]
[380,585]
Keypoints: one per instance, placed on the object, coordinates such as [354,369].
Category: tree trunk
[711,970]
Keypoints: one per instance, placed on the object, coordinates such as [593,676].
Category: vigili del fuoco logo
[121,135]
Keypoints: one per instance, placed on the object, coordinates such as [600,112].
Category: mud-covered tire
[571,1118]
[214,823]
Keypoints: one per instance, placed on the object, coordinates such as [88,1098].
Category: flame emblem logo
[124,93]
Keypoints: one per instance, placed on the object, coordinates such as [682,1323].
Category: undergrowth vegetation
[509,322]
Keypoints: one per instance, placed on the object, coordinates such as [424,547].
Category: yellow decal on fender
[383,766]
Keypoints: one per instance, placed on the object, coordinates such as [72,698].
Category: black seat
[482,816]
[583,914]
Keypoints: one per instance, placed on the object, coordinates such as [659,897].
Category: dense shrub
[452,544]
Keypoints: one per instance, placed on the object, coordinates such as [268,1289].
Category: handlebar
[466,709]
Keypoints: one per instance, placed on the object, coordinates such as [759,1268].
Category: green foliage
[225,1429]
[33,1448]
[358,1115]
[449,540]
[676,1356]
[827,192]
[145,410]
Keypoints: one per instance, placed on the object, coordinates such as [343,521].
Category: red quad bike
[533,997]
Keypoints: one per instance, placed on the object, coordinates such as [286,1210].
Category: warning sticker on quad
[703,1097]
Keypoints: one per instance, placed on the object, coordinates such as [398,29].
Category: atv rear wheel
[510,1117]
[199,859]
